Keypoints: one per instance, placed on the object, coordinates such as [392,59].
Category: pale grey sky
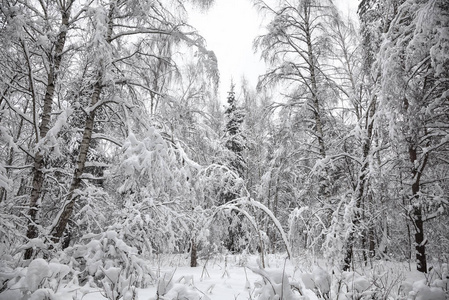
[230,28]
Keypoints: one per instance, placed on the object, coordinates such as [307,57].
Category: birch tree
[76,79]
[39,40]
[114,26]
[295,46]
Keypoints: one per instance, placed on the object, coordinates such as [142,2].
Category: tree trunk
[420,243]
[38,175]
[193,255]
[419,240]
[66,213]
[371,241]
[67,210]
[349,253]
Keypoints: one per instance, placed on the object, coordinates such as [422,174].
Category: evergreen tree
[235,145]
[235,139]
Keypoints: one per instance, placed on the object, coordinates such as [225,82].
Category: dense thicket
[109,134]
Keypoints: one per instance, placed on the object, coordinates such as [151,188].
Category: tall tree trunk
[38,175]
[323,189]
[67,210]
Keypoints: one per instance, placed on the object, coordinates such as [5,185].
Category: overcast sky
[230,28]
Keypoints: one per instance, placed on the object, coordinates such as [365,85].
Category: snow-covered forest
[125,175]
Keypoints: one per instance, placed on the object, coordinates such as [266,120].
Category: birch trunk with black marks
[39,157]
[67,210]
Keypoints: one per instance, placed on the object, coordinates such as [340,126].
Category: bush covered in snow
[364,284]
[435,286]
[102,261]
[40,280]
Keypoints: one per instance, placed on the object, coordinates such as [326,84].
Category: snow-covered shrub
[105,260]
[435,286]
[379,282]
[182,288]
[421,291]
[439,276]
[117,285]
[352,285]
[318,281]
[40,280]
[275,285]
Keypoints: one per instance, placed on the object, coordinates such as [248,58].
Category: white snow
[224,277]
[216,280]
[38,270]
[423,292]
[112,274]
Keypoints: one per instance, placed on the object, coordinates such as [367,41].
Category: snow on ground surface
[230,277]
[227,277]
[212,279]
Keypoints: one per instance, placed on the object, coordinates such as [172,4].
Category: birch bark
[39,158]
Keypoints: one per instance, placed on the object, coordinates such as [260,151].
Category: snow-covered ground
[234,277]
[224,277]
[218,278]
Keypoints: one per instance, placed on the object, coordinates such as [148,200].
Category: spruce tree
[234,143]
[235,140]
